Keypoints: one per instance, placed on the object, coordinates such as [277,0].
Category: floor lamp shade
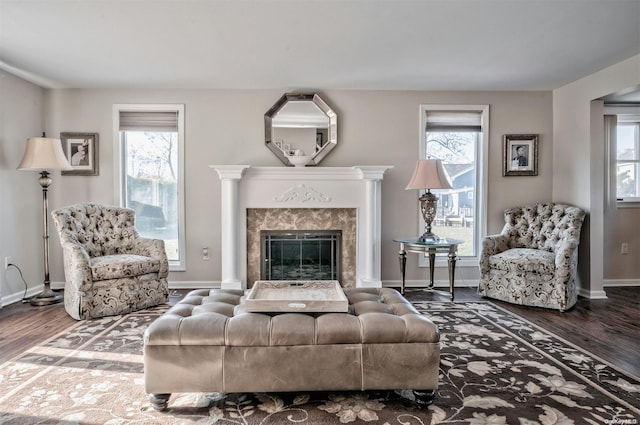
[429,174]
[42,154]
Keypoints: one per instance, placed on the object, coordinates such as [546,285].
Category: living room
[379,119]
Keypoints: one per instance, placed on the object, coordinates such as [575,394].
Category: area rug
[495,368]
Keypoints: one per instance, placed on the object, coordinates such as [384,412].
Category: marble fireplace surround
[343,219]
[244,187]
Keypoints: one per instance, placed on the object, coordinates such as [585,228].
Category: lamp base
[46,297]
[429,238]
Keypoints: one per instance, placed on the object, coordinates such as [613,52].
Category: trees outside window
[150,147]
[456,135]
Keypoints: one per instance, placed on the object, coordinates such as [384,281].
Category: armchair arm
[77,267]
[491,245]
[566,259]
[153,248]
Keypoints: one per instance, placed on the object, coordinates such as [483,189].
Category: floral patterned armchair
[109,269]
[533,261]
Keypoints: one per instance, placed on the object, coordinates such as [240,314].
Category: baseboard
[194,284]
[18,296]
[621,282]
[56,286]
[592,295]
[443,283]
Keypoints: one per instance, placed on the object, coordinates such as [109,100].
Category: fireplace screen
[300,254]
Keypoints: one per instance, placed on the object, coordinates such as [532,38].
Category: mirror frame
[322,105]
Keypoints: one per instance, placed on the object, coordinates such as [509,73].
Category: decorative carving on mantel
[302,193]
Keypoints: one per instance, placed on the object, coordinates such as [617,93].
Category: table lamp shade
[44,153]
[429,174]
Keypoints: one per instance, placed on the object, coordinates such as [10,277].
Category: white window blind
[148,121]
[453,121]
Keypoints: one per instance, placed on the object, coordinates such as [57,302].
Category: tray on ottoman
[314,296]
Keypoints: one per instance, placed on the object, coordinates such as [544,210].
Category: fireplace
[302,220]
[300,198]
[300,254]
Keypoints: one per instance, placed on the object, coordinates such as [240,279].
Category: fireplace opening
[300,254]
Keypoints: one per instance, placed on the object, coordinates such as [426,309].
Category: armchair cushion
[524,260]
[124,265]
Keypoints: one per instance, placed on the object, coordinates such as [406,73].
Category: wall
[22,115]
[579,136]
[375,128]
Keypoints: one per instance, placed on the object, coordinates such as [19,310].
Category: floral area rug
[495,369]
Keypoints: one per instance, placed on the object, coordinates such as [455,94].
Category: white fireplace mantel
[244,186]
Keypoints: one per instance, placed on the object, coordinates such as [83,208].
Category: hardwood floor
[609,328]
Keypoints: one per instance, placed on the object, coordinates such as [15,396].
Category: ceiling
[315,44]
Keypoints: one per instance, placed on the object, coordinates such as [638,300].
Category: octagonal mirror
[301,129]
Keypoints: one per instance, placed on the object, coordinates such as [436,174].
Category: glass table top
[442,242]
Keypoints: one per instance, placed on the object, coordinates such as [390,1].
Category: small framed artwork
[81,150]
[520,155]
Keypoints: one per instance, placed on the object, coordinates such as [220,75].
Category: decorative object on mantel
[298,159]
[300,122]
[429,174]
[42,154]
[520,155]
[81,150]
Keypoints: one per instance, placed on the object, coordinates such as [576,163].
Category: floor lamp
[429,174]
[42,154]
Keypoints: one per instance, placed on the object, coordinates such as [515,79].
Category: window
[457,135]
[150,147]
[622,128]
[627,162]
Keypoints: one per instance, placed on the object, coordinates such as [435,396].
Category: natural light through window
[150,151]
[455,137]
[627,164]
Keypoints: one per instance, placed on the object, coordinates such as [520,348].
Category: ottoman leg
[424,397]
[159,401]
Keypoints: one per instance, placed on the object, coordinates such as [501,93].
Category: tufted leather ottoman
[208,342]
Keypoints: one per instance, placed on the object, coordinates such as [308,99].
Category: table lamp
[42,154]
[429,174]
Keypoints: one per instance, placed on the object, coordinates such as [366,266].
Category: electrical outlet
[7,261]
[205,253]
[624,248]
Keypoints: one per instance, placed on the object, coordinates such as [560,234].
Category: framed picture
[520,155]
[81,150]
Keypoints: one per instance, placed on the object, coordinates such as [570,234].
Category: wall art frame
[520,155]
[82,152]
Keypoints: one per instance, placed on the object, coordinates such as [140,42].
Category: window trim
[611,153]
[119,180]
[482,176]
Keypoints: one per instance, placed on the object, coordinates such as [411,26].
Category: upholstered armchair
[109,269]
[533,261]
